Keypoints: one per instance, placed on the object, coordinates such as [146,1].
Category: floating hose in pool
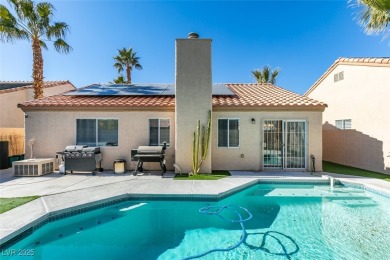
[214,210]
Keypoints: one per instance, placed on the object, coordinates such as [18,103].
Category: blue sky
[303,38]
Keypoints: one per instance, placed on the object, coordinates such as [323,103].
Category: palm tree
[127,59]
[375,15]
[33,21]
[119,80]
[265,75]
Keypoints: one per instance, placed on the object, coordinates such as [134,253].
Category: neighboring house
[14,92]
[356,130]
[254,127]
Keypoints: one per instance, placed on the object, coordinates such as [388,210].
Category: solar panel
[220,89]
[138,90]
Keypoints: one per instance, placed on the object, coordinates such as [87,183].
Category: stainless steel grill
[149,154]
[81,158]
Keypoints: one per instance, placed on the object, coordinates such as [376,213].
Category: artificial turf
[215,175]
[7,204]
[343,169]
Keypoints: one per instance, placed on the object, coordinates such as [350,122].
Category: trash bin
[3,155]
[119,166]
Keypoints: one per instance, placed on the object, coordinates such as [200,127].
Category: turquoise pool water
[289,222]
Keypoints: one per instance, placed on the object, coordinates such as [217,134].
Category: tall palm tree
[127,59]
[33,22]
[374,15]
[265,75]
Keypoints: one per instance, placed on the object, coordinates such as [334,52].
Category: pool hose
[214,210]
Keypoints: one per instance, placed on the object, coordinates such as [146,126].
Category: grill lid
[91,149]
[74,148]
[150,150]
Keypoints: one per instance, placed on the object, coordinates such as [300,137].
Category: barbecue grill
[82,158]
[149,154]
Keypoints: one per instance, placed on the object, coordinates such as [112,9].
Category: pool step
[354,202]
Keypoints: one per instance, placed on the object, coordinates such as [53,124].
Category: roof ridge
[46,84]
[384,60]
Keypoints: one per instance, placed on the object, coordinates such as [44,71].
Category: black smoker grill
[82,158]
[149,154]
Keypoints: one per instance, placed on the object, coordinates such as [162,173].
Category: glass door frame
[284,148]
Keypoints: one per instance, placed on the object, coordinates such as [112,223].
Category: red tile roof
[259,96]
[13,86]
[382,62]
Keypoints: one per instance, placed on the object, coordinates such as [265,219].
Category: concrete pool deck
[61,193]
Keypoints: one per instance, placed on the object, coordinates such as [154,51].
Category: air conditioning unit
[33,167]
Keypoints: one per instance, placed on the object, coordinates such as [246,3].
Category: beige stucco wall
[10,115]
[13,117]
[251,138]
[363,96]
[54,130]
[193,97]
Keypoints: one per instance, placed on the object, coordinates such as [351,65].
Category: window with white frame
[97,132]
[344,124]
[228,133]
[159,131]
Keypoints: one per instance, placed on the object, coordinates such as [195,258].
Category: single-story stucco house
[254,126]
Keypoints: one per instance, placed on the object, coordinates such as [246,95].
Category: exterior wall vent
[339,76]
[33,167]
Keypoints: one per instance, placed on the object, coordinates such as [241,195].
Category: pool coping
[24,229]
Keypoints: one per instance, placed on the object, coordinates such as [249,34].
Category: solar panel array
[140,90]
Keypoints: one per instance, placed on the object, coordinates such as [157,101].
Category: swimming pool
[288,222]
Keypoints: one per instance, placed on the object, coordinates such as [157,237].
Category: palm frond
[9,27]
[374,15]
[257,74]
[57,30]
[61,46]
[43,44]
[44,11]
[119,80]
[119,66]
[274,74]
[265,75]
[138,66]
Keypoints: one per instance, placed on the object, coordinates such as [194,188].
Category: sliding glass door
[284,144]
[273,144]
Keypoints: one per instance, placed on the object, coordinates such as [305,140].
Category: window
[228,133]
[344,124]
[159,131]
[97,132]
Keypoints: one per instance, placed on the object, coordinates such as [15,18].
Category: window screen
[228,133]
[97,132]
[159,131]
